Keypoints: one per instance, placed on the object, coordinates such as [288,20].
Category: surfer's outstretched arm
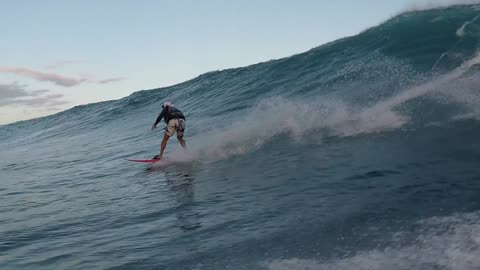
[159,118]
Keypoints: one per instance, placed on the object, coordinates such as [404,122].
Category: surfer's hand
[154,126]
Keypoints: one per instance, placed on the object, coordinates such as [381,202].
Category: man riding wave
[175,121]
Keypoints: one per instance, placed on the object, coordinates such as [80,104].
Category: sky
[56,54]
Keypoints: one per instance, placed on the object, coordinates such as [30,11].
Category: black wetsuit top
[169,113]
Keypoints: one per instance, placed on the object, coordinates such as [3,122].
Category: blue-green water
[360,154]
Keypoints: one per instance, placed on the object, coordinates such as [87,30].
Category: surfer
[175,121]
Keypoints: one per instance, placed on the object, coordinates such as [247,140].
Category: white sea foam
[449,243]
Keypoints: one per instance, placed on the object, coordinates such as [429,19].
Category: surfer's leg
[180,130]
[169,131]
[164,144]
[182,141]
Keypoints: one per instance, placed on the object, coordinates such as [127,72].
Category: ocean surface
[363,153]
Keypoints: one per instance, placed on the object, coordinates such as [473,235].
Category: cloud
[111,80]
[63,63]
[43,101]
[41,76]
[16,94]
[14,90]
[53,77]
[39,92]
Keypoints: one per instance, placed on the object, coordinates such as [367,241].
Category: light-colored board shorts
[175,125]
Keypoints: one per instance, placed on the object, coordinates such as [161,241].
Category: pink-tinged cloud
[41,76]
[56,78]
[111,80]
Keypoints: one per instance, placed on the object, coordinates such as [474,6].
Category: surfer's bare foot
[157,157]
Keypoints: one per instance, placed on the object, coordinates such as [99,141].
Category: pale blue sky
[87,51]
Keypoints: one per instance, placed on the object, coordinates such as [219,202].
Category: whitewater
[362,153]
